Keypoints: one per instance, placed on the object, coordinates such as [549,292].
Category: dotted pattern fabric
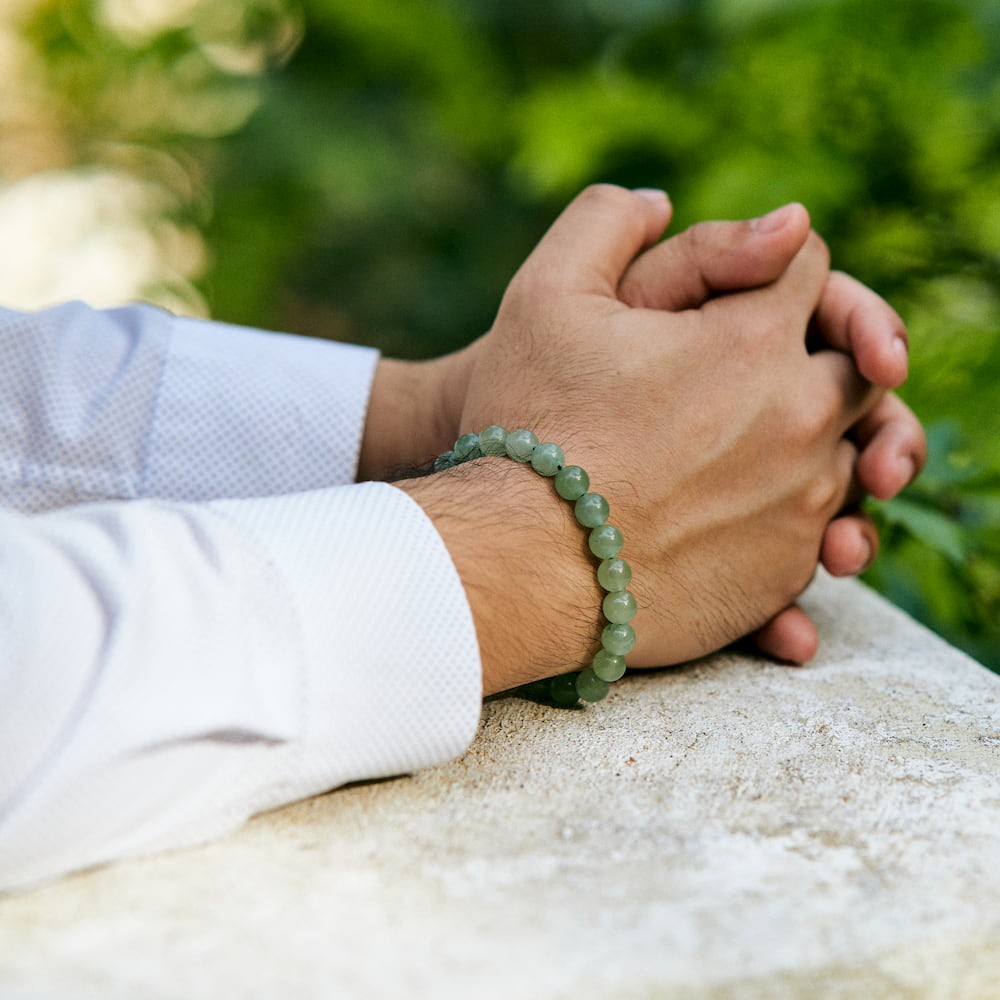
[386,626]
[134,402]
[77,395]
[166,697]
[243,413]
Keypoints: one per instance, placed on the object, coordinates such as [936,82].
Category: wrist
[412,413]
[522,559]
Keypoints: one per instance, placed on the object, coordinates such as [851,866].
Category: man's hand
[717,436]
[689,365]
[715,258]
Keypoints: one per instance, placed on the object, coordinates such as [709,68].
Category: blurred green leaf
[934,529]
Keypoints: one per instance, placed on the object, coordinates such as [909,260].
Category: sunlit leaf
[927,525]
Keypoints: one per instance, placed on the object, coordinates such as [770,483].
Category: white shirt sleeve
[134,402]
[168,667]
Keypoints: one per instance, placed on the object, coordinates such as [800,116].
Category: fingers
[589,246]
[790,637]
[850,544]
[837,388]
[853,319]
[893,447]
[779,312]
[685,271]
[893,450]
[849,547]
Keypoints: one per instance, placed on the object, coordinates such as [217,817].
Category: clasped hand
[723,388]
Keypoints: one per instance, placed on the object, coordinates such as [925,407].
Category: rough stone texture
[729,829]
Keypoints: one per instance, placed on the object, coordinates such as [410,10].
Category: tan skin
[677,373]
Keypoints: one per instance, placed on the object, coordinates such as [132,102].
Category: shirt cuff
[393,678]
[245,413]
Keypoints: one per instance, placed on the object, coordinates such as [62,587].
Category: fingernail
[902,349]
[773,220]
[866,557]
[654,195]
[907,469]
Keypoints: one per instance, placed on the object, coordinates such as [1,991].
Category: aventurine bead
[562,690]
[467,447]
[572,482]
[591,510]
[520,445]
[445,461]
[590,687]
[547,459]
[606,541]
[618,638]
[493,440]
[619,607]
[614,574]
[608,666]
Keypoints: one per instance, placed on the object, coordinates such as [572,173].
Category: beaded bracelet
[613,574]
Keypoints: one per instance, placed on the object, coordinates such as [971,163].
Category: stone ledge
[728,829]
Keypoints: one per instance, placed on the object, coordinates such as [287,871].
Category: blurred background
[375,170]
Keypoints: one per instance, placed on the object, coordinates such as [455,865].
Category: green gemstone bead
[618,638]
[467,447]
[445,461]
[614,574]
[608,666]
[591,510]
[520,445]
[606,541]
[493,440]
[562,690]
[547,459]
[619,607]
[572,482]
[590,687]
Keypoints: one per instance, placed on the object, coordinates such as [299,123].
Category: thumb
[711,257]
[598,235]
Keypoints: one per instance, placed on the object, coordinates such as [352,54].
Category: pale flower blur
[96,195]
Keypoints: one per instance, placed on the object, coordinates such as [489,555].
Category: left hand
[714,258]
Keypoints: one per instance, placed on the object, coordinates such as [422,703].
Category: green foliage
[382,184]
[942,547]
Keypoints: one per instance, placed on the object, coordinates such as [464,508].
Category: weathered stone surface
[729,829]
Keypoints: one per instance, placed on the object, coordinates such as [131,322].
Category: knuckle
[810,423]
[700,243]
[698,236]
[605,194]
[821,495]
[817,245]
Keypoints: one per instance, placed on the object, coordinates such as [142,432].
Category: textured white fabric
[264,419]
[168,667]
[135,402]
